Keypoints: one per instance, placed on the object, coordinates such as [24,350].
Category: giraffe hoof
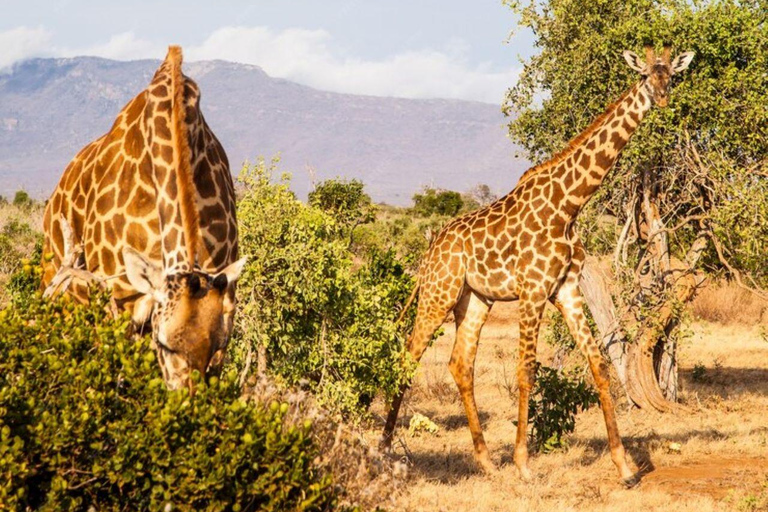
[525,474]
[485,464]
[385,444]
[631,481]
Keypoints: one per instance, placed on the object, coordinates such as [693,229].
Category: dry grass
[366,480]
[20,228]
[722,465]
[727,303]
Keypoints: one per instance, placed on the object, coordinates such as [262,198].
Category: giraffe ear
[681,62]
[229,274]
[635,62]
[145,276]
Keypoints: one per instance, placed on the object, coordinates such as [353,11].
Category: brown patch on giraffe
[617,140]
[160,90]
[107,261]
[105,202]
[165,152]
[586,161]
[557,193]
[110,235]
[137,236]
[218,230]
[161,128]
[140,206]
[602,160]
[133,143]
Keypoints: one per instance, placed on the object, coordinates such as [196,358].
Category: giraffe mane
[183,156]
[574,142]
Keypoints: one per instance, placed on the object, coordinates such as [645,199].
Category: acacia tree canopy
[707,151]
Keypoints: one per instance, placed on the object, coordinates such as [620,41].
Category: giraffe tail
[408,302]
[183,154]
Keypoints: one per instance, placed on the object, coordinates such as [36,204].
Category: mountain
[50,108]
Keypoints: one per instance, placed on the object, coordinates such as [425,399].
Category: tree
[314,312]
[437,202]
[346,201]
[21,198]
[688,196]
[481,194]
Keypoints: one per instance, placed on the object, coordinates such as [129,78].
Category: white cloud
[23,43]
[124,46]
[306,56]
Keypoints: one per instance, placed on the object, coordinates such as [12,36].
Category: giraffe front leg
[531,310]
[570,303]
[471,313]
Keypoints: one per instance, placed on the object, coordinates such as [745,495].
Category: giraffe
[524,247]
[152,205]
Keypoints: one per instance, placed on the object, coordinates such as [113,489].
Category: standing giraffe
[524,247]
[152,203]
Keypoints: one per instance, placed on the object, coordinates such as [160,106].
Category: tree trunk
[596,289]
[646,368]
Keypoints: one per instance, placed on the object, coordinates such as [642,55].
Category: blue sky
[417,49]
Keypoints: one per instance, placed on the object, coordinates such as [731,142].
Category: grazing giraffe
[524,247]
[152,204]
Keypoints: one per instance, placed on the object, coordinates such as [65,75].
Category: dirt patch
[716,477]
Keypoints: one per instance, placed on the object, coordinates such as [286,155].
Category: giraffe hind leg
[431,314]
[531,309]
[471,313]
[570,303]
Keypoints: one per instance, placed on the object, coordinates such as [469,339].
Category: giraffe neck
[172,174]
[590,156]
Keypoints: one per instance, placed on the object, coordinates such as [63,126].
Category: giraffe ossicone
[149,208]
[524,247]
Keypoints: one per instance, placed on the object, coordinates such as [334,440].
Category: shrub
[345,200]
[437,202]
[555,400]
[86,422]
[323,315]
[21,198]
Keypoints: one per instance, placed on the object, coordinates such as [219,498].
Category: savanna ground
[712,458]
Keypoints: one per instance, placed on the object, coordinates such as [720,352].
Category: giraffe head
[188,309]
[658,70]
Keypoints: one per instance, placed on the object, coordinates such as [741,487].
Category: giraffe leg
[531,310]
[471,313]
[570,303]
[431,314]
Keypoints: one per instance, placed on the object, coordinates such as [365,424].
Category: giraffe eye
[194,283]
[220,282]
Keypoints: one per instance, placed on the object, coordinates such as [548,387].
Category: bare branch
[734,271]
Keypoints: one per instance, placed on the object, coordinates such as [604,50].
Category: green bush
[555,400]
[21,198]
[345,200]
[437,202]
[323,315]
[86,423]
